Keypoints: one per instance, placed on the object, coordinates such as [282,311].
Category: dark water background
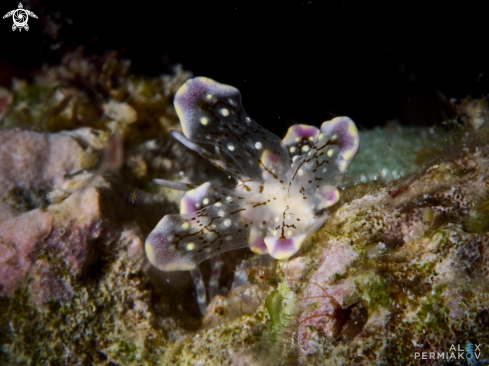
[294,62]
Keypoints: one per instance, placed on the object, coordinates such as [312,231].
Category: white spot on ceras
[288,217]
[334,137]
[292,149]
[209,96]
[206,201]
[185,225]
[305,148]
[227,222]
[221,213]
[277,218]
[218,204]
[248,120]
[274,232]
[190,246]
[229,198]
[321,135]
[258,145]
[300,172]
[289,233]
[231,102]
[311,138]
[204,121]
[224,112]
[231,147]
[324,170]
[297,139]
[330,152]
[197,205]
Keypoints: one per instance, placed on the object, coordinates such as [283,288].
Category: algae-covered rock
[399,268]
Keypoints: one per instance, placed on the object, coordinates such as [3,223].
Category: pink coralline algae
[316,303]
[33,162]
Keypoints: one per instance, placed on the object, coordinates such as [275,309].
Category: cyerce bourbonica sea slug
[282,186]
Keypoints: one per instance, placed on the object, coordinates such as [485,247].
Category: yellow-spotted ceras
[282,187]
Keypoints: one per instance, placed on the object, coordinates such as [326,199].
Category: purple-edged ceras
[282,186]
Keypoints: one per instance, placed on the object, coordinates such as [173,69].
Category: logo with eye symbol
[20,17]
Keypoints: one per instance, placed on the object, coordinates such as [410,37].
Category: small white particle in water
[185,225]
[258,145]
[289,233]
[276,219]
[190,246]
[197,205]
[204,121]
[320,136]
[300,172]
[305,148]
[206,201]
[330,152]
[231,147]
[227,222]
[292,149]
[209,96]
[229,198]
[224,112]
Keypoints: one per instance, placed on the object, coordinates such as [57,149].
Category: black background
[294,62]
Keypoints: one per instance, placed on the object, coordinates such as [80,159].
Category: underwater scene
[147,219]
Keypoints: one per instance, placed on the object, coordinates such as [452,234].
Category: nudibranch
[283,187]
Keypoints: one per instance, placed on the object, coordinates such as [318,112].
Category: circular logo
[20,17]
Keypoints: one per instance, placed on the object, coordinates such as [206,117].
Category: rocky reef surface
[399,269]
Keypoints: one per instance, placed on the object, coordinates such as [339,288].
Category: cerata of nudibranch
[282,186]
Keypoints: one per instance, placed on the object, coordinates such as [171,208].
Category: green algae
[478,224]
[97,325]
[280,305]
[374,289]
[433,313]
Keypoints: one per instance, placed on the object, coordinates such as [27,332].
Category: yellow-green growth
[433,313]
[478,223]
[280,304]
[374,289]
